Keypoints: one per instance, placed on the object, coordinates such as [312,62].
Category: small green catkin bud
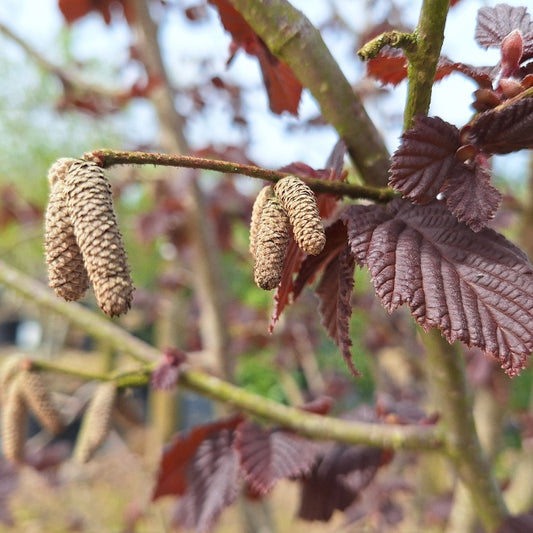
[90,206]
[96,422]
[38,398]
[257,209]
[271,244]
[14,423]
[300,203]
[66,270]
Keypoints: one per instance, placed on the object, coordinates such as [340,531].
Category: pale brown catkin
[96,422]
[66,270]
[271,244]
[38,398]
[14,422]
[257,209]
[300,203]
[90,206]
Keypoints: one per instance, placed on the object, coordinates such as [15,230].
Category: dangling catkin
[90,206]
[96,422]
[14,422]
[271,244]
[300,203]
[66,270]
[257,209]
[36,394]
[10,368]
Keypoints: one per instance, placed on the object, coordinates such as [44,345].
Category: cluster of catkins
[290,203]
[24,390]
[82,241]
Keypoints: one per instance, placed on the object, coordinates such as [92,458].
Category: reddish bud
[467,152]
[510,87]
[512,49]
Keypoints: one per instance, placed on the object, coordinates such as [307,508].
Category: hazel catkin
[66,270]
[36,394]
[96,422]
[300,203]
[271,243]
[90,207]
[257,209]
[14,422]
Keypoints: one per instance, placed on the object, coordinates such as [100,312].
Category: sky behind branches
[273,140]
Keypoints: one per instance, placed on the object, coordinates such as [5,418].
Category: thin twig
[308,424]
[109,158]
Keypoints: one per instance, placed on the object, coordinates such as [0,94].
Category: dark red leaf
[8,484]
[517,524]
[166,375]
[270,455]
[337,479]
[73,10]
[475,287]
[430,161]
[495,23]
[336,239]
[318,406]
[390,66]
[212,482]
[335,302]
[425,159]
[282,297]
[283,88]
[471,197]
[172,478]
[504,129]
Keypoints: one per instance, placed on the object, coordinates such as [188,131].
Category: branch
[447,373]
[67,78]
[308,424]
[291,37]
[423,58]
[109,158]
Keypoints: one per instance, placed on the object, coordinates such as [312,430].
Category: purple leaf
[336,479]
[425,159]
[471,197]
[427,163]
[517,524]
[475,287]
[334,293]
[506,128]
[267,456]
[8,483]
[212,482]
[495,23]
[166,375]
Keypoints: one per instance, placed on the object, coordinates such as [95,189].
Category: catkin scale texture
[90,207]
[257,209]
[14,423]
[66,269]
[300,203]
[96,422]
[38,398]
[271,244]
